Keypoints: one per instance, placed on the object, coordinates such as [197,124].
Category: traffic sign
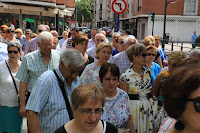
[119,6]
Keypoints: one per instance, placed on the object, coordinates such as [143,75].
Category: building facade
[30,13]
[183,17]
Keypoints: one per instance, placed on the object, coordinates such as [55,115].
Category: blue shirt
[193,37]
[114,52]
[47,100]
[155,71]
[24,43]
[3,52]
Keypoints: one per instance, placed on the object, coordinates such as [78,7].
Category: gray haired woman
[10,120]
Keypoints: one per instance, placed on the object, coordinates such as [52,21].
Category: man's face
[46,46]
[65,35]
[40,29]
[195,32]
[10,33]
[120,44]
[28,34]
[99,38]
[114,37]
[93,34]
[55,34]
[73,33]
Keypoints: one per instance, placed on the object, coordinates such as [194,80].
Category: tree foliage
[83,7]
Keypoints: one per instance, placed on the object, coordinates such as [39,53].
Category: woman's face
[140,59]
[104,54]
[190,116]
[55,43]
[84,118]
[3,34]
[109,82]
[81,47]
[13,53]
[151,53]
[19,35]
[157,42]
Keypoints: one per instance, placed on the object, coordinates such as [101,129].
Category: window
[190,7]
[139,5]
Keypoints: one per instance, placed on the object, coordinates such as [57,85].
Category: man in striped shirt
[46,106]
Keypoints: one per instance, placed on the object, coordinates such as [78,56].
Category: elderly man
[120,45]
[46,107]
[68,43]
[91,42]
[61,41]
[32,45]
[195,54]
[98,39]
[34,64]
[115,35]
[121,59]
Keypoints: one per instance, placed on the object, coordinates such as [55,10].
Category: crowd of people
[82,85]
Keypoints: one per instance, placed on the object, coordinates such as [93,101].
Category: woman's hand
[165,63]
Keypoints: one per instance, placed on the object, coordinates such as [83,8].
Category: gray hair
[72,56]
[28,30]
[15,44]
[115,33]
[194,52]
[100,34]
[130,36]
[41,25]
[45,35]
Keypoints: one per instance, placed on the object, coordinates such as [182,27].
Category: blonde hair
[149,40]
[156,37]
[19,30]
[152,47]
[101,46]
[85,91]
[175,57]
[135,49]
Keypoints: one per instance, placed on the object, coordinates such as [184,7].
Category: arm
[33,122]
[160,62]
[130,124]
[124,86]
[157,85]
[22,93]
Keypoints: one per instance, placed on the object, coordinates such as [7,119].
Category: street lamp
[164,36]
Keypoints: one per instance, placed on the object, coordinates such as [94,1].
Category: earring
[179,125]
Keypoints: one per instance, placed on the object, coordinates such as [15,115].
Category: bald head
[99,37]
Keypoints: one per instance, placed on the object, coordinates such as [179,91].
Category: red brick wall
[157,6]
[70,3]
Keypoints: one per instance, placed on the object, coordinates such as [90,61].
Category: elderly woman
[87,106]
[81,43]
[173,58]
[55,43]
[10,120]
[161,51]
[150,40]
[90,74]
[25,39]
[155,68]
[19,34]
[136,81]
[10,35]
[181,98]
[117,106]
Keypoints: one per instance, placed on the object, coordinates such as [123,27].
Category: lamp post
[164,36]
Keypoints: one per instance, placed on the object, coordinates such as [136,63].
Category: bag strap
[12,79]
[61,84]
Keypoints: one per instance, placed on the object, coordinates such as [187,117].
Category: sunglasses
[11,31]
[3,32]
[16,32]
[143,55]
[41,30]
[149,54]
[196,103]
[27,33]
[10,51]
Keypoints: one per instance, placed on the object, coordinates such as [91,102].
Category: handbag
[120,130]
[18,99]
[61,84]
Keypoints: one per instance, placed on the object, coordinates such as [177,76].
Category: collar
[42,55]
[131,72]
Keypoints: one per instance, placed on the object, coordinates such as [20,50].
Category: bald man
[99,37]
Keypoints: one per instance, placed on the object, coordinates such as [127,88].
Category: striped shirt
[122,61]
[47,99]
[167,124]
[33,66]
[32,45]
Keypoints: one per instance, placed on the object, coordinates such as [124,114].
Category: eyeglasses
[149,54]
[196,103]
[101,40]
[143,55]
[10,51]
[3,32]
[11,31]
[41,30]
[98,111]
[16,32]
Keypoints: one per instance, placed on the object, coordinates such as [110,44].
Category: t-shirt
[109,128]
